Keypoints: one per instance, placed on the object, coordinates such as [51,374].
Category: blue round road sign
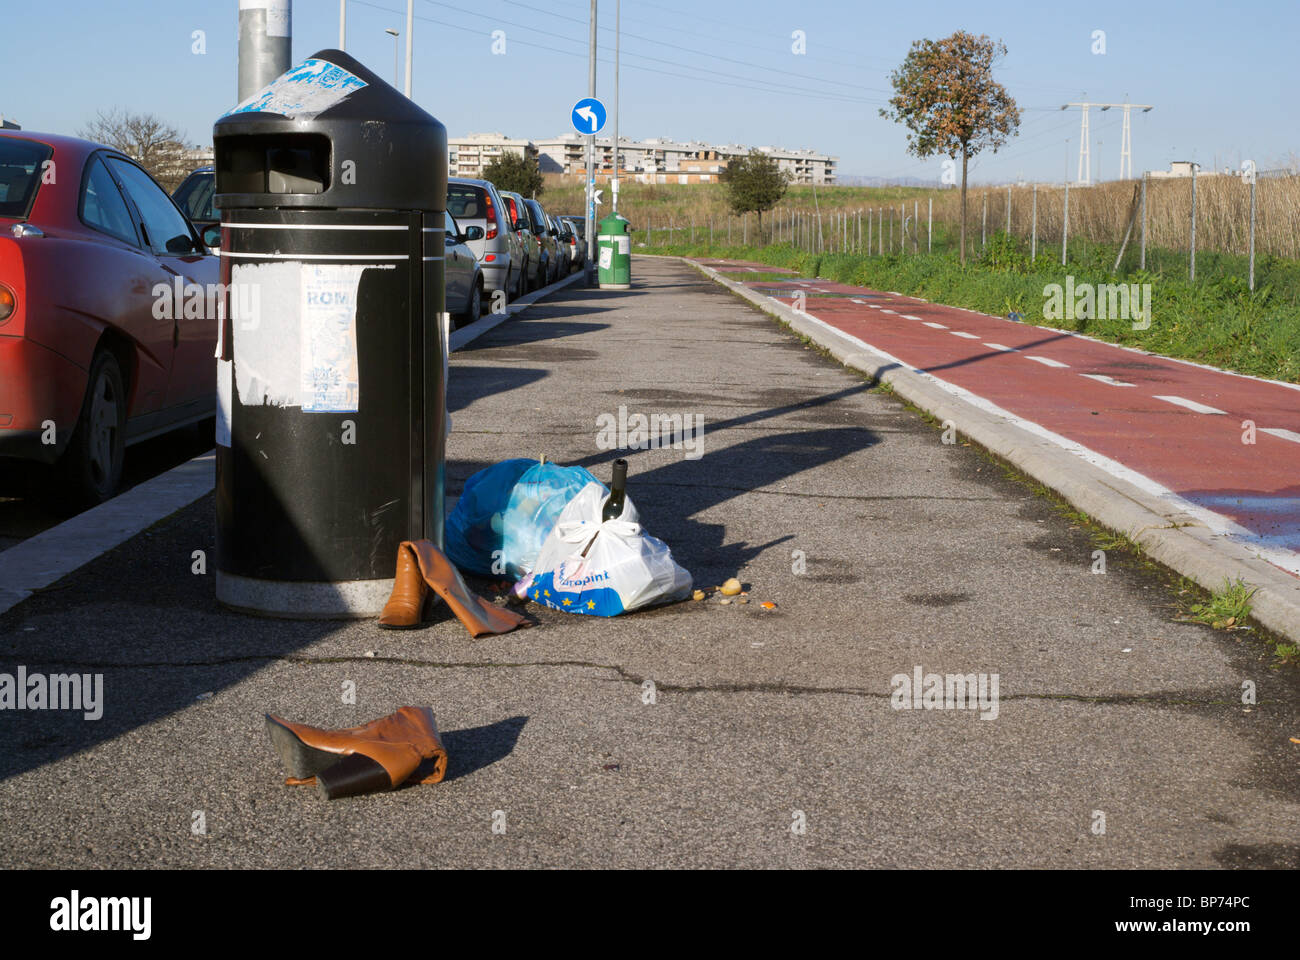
[588,116]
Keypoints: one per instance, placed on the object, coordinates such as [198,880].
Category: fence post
[1033,227]
[929,228]
[1065,223]
[984,223]
[1008,209]
[891,230]
[916,231]
[1252,226]
[1142,260]
[880,241]
[870,221]
[1191,276]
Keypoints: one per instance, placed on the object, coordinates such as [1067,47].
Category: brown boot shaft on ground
[380,755]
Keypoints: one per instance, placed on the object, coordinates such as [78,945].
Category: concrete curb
[47,557]
[465,335]
[1168,534]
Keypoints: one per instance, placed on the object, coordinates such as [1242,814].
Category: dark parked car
[96,352]
[195,196]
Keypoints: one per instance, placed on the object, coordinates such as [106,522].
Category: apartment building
[467,156]
[661,160]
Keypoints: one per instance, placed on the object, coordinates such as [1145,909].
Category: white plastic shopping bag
[603,569]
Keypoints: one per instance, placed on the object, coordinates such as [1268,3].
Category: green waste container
[614,252]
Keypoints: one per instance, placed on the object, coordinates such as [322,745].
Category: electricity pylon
[1126,142]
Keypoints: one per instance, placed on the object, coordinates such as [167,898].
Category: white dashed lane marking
[967,336]
[1189,404]
[1047,361]
[1102,378]
[1281,434]
[937,326]
[908,316]
[884,310]
[998,346]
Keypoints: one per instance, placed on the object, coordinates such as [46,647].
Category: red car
[97,350]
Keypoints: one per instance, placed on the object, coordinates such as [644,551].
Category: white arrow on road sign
[588,116]
[595,197]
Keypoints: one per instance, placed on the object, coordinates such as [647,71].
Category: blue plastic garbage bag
[502,519]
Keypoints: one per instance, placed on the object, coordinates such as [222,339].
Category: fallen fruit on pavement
[698,595]
[731,587]
[768,605]
[724,601]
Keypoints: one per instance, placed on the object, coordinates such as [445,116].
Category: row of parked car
[517,247]
[90,365]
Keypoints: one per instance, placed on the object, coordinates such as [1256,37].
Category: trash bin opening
[274,163]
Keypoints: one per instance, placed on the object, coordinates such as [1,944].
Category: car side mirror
[473,233]
[212,235]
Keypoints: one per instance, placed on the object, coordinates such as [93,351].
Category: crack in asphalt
[1158,698]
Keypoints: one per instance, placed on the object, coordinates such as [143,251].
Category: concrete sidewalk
[886,550]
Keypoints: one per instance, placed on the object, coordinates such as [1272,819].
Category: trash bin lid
[614,223]
[330,133]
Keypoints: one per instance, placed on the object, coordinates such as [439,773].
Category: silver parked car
[534,266]
[545,234]
[569,243]
[476,203]
[579,226]
[464,273]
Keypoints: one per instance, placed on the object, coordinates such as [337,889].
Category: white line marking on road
[1102,378]
[1189,404]
[52,554]
[1281,434]
[1047,361]
[998,346]
[873,306]
[856,300]
[937,326]
[963,334]
[884,310]
[908,316]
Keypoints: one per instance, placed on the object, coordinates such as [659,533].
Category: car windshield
[21,167]
[465,201]
[194,196]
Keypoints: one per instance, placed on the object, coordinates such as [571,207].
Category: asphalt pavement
[700,734]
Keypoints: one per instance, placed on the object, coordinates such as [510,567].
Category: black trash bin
[333,351]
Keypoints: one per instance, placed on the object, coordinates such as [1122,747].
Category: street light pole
[397,77]
[265,35]
[410,39]
[343,24]
[591,149]
[618,4]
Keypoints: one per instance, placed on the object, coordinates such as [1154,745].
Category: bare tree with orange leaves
[945,94]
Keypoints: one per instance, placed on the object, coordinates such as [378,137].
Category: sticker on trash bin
[277,15]
[330,382]
[624,243]
[606,258]
[308,89]
[225,370]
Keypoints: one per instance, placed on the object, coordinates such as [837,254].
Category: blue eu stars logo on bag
[583,595]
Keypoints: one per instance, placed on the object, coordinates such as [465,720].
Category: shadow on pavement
[474,748]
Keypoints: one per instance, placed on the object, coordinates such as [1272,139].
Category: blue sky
[1222,81]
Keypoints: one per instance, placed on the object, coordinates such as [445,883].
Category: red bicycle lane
[1227,445]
